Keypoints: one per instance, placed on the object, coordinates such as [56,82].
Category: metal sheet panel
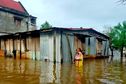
[107,51]
[87,51]
[66,55]
[46,47]
[92,46]
[105,48]
[58,47]
[73,50]
[50,49]
[67,47]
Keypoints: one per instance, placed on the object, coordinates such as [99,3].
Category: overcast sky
[77,13]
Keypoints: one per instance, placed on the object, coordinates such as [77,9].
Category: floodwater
[100,71]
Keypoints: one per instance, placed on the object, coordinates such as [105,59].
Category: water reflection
[19,71]
[37,72]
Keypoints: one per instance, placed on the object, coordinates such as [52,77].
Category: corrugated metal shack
[26,45]
[60,44]
[55,44]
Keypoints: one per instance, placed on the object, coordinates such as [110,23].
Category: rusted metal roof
[11,4]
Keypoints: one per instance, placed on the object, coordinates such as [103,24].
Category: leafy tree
[118,37]
[122,1]
[46,25]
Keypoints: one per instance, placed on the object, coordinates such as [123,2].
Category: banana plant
[118,37]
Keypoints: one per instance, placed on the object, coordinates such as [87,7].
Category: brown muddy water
[99,71]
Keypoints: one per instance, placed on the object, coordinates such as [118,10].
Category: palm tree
[118,37]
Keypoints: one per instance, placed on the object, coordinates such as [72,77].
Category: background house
[14,17]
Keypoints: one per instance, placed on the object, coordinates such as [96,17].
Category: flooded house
[23,45]
[15,18]
[60,44]
[20,39]
[55,44]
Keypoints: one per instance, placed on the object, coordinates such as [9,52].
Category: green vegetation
[122,1]
[46,25]
[117,36]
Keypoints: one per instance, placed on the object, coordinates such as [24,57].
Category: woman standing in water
[78,57]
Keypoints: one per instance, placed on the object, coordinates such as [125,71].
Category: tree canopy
[122,1]
[46,25]
[118,36]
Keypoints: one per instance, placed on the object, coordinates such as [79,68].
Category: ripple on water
[110,81]
[38,72]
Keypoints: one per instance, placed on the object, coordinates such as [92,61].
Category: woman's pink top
[79,55]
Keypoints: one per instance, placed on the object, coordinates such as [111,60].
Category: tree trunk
[121,53]
[112,52]
[112,55]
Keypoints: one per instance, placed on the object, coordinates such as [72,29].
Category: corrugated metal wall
[87,45]
[92,46]
[35,48]
[58,47]
[54,45]
[47,46]
[68,47]
[50,46]
[29,50]
[105,48]
[9,47]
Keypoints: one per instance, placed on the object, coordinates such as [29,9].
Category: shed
[60,44]
[55,44]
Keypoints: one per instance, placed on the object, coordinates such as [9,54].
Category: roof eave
[23,8]
[13,11]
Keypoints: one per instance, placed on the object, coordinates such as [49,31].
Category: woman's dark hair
[80,49]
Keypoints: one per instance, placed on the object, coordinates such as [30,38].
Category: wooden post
[54,42]
[14,50]
[25,44]
[88,46]
[61,49]
[0,44]
[35,47]
[5,51]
